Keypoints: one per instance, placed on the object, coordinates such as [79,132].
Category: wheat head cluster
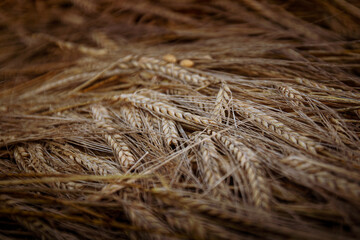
[179,119]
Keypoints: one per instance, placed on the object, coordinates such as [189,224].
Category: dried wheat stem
[260,190]
[267,122]
[169,129]
[221,102]
[121,150]
[163,109]
[132,116]
[320,176]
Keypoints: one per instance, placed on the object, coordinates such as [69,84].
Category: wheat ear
[171,70]
[267,122]
[90,163]
[292,94]
[169,129]
[121,150]
[163,109]
[21,158]
[221,102]
[321,86]
[255,175]
[320,176]
[132,116]
[209,164]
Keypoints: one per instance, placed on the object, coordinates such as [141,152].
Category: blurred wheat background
[183,119]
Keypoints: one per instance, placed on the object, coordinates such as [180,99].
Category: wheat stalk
[121,150]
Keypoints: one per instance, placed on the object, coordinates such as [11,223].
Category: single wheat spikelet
[322,177]
[221,102]
[267,122]
[163,109]
[170,132]
[260,190]
[121,150]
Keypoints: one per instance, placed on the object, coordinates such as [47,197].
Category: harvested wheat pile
[187,119]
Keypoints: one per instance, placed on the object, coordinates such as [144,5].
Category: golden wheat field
[188,119]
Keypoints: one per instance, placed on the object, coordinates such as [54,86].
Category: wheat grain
[186,63]
[169,58]
[121,150]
